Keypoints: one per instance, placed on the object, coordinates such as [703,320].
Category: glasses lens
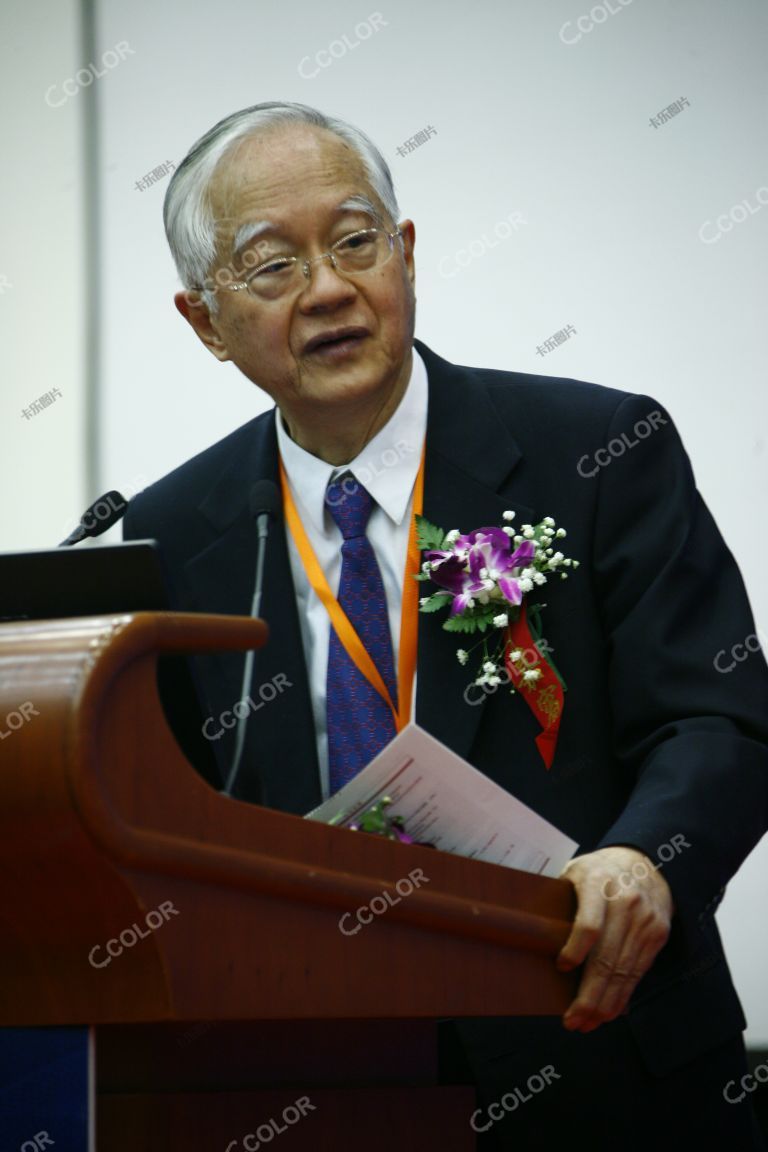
[272,280]
[361,251]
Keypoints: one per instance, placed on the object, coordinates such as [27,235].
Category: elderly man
[284,227]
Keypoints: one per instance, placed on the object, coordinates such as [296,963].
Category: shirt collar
[386,467]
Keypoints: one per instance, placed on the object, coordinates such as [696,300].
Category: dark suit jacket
[655,743]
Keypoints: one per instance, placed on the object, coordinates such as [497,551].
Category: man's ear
[195,311]
[408,230]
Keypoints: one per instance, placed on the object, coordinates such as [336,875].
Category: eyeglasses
[352,255]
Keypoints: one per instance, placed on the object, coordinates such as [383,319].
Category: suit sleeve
[690,722]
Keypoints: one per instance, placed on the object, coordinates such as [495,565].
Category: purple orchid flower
[479,562]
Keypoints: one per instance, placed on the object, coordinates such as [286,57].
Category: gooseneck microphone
[101,515]
[263,502]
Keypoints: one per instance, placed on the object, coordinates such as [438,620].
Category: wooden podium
[201,936]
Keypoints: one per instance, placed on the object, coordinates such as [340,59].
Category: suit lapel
[280,767]
[471,478]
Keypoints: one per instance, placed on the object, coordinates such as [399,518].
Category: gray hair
[189,223]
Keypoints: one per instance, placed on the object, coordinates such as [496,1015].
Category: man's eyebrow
[248,232]
[360,204]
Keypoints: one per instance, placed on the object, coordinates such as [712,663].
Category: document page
[445,801]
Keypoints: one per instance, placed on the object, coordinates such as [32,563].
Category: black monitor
[49,584]
[60,582]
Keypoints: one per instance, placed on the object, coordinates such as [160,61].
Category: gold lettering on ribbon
[549,704]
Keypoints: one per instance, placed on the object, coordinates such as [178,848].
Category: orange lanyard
[353,645]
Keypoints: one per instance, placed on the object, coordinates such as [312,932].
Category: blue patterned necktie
[360,722]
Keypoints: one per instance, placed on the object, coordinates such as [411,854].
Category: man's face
[296,177]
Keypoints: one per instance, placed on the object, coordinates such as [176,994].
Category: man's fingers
[618,931]
[602,968]
[629,946]
[640,948]
[587,927]
[578,945]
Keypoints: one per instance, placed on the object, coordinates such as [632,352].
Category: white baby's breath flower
[539,578]
[509,531]
[561,532]
[525,585]
[489,667]
[462,655]
[501,620]
[515,655]
[452,536]
[483,597]
[494,681]
[527,531]
[508,515]
[576,563]
[426,566]
[517,541]
[532,674]
[548,521]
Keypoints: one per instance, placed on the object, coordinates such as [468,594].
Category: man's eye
[274,268]
[357,241]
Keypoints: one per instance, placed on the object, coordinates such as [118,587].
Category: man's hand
[622,923]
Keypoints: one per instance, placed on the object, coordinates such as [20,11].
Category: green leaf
[460,624]
[428,536]
[436,602]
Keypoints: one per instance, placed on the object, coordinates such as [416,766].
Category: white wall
[42,262]
[526,122]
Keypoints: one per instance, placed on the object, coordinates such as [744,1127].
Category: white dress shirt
[387,467]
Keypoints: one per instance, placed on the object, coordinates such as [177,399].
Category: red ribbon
[544,694]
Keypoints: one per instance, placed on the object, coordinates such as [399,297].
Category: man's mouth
[335,343]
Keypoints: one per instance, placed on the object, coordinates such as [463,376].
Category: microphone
[263,502]
[101,515]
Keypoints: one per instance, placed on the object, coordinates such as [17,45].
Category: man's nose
[325,286]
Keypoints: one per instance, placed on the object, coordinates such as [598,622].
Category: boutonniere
[483,578]
[377,821]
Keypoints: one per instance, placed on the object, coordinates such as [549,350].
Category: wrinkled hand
[623,921]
